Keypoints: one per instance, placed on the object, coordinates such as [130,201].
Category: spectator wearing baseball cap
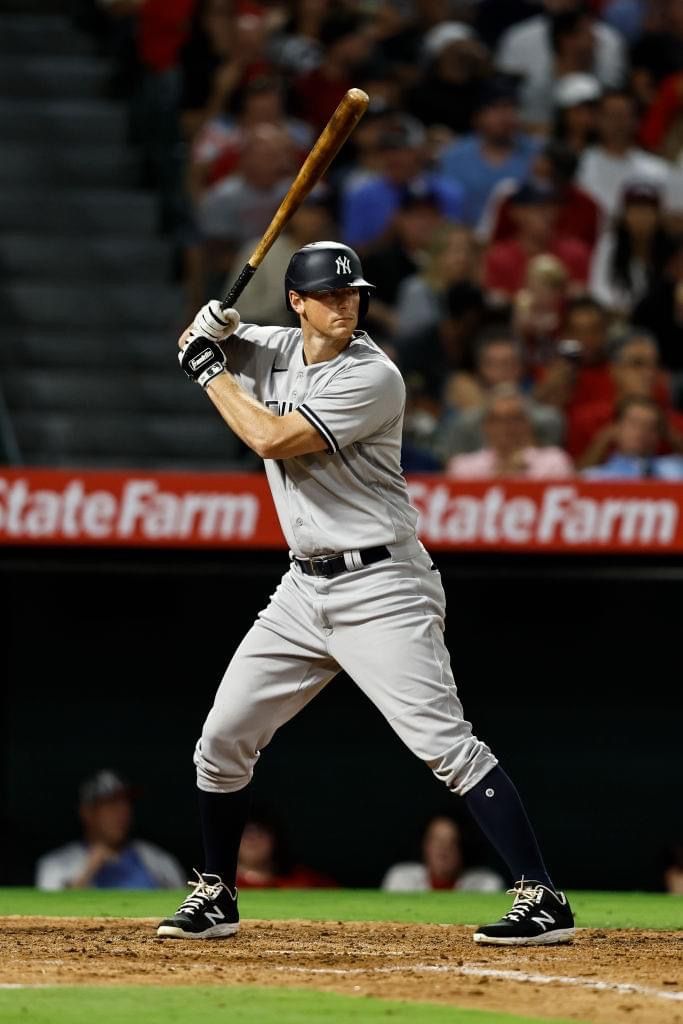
[564,39]
[535,211]
[633,253]
[368,208]
[454,64]
[495,151]
[576,99]
[106,857]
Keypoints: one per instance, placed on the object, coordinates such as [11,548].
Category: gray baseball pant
[383,624]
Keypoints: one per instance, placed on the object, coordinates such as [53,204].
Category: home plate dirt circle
[604,976]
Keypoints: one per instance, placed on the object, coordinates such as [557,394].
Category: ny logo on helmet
[343,265]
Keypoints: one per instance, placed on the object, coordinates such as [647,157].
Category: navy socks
[495,805]
[223,817]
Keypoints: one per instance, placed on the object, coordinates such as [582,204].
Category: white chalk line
[624,988]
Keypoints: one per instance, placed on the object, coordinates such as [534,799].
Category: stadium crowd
[515,192]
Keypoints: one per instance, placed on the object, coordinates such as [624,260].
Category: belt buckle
[313,564]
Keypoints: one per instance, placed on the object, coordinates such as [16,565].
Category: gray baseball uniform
[383,623]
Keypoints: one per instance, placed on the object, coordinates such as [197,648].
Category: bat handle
[238,287]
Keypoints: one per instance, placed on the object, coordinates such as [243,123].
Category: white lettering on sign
[143,509]
[558,515]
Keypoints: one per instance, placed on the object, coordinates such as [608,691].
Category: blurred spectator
[412,230]
[218,144]
[576,99]
[442,866]
[535,211]
[539,308]
[615,161]
[673,872]
[420,302]
[510,450]
[263,861]
[635,373]
[434,353]
[661,312]
[240,207]
[348,41]
[106,857]
[565,39]
[499,361]
[631,256]
[226,50]
[658,52]
[422,418]
[367,208]
[497,150]
[297,48]
[580,372]
[263,302]
[634,439]
[454,63]
[554,167]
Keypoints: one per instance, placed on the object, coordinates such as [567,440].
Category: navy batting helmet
[323,267]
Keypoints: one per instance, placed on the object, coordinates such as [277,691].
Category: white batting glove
[213,322]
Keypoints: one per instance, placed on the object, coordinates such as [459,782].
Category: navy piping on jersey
[326,434]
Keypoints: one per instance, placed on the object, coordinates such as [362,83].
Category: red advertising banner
[195,510]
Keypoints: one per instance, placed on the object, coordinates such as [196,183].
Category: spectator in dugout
[498,361]
[367,208]
[534,211]
[495,151]
[106,857]
[636,373]
[510,448]
[442,865]
[634,439]
[264,861]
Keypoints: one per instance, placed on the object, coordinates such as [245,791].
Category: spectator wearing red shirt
[263,862]
[580,372]
[636,373]
[348,41]
[535,212]
[578,216]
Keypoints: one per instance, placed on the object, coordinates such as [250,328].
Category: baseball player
[323,406]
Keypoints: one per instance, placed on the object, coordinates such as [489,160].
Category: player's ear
[297,302]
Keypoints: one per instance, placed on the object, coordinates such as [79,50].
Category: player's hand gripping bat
[334,135]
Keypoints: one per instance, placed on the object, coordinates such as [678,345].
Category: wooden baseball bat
[332,138]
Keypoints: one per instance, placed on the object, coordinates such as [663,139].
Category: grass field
[592,909]
[247,1004]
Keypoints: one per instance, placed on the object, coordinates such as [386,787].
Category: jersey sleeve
[249,353]
[364,401]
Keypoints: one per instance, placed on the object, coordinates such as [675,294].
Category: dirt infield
[606,977]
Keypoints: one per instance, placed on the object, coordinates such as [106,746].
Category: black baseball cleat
[209,912]
[539,917]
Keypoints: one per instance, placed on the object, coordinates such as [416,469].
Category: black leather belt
[330,565]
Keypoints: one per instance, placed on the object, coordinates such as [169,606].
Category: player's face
[332,315]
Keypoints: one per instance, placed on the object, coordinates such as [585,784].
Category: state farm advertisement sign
[128,509]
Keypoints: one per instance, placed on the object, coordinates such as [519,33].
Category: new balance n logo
[214,916]
[543,919]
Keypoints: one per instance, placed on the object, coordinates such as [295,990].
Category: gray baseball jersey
[353,495]
[382,623]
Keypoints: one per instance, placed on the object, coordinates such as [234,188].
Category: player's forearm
[251,421]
